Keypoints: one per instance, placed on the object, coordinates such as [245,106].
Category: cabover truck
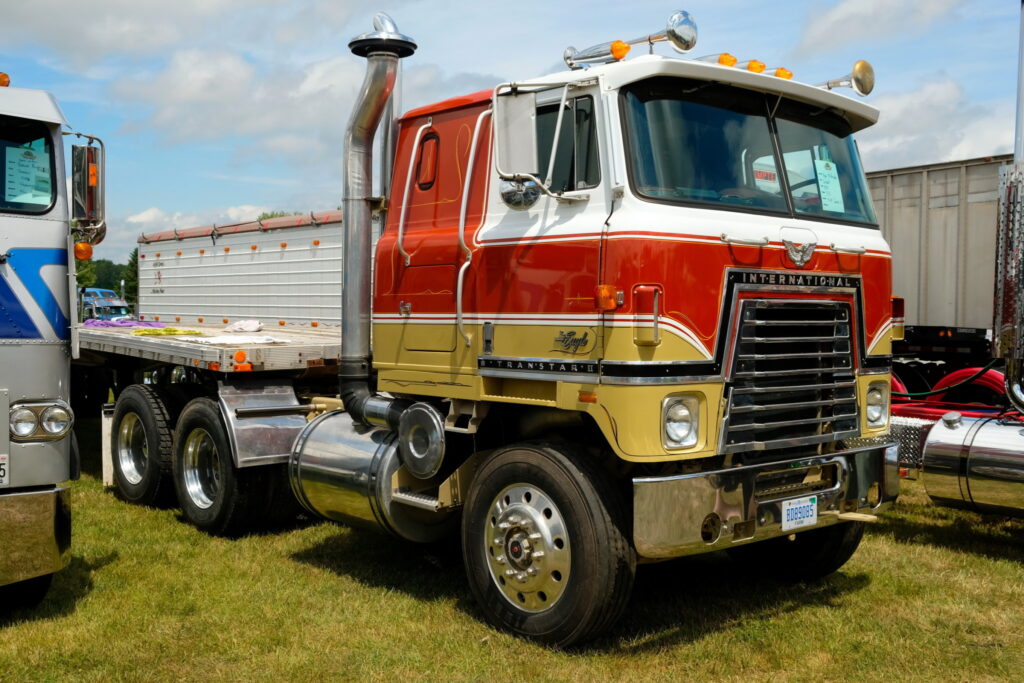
[961,424]
[40,224]
[632,311]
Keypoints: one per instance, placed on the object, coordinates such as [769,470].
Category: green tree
[109,274]
[274,214]
[85,271]
[131,277]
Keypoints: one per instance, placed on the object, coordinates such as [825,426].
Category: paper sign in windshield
[829,190]
[27,176]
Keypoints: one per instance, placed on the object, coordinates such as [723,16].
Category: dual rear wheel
[156,456]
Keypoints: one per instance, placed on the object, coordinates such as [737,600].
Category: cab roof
[36,105]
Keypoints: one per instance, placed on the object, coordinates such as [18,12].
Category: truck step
[416,500]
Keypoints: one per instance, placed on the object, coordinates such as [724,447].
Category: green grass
[931,594]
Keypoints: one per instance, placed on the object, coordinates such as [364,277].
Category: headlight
[23,422]
[680,418]
[877,409]
[55,420]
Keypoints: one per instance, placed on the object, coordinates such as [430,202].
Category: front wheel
[805,556]
[214,495]
[545,544]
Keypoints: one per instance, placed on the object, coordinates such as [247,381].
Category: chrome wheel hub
[201,468]
[132,448]
[527,548]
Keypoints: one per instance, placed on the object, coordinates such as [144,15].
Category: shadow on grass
[673,602]
[431,572]
[70,585]
[992,537]
[685,600]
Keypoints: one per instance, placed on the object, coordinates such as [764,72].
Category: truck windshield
[707,143]
[26,166]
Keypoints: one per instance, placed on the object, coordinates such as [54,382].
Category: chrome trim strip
[788,406]
[678,379]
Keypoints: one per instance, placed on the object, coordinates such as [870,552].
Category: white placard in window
[27,176]
[829,189]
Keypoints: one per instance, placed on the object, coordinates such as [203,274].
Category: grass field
[932,594]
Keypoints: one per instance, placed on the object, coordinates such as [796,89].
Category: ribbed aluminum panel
[287,273]
[791,379]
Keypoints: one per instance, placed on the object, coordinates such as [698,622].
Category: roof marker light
[5,80]
[721,58]
[782,72]
[754,65]
[619,49]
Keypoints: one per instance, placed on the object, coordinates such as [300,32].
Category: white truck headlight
[680,419]
[23,422]
[55,420]
[877,408]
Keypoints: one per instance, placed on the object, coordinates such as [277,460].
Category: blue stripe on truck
[29,264]
[14,320]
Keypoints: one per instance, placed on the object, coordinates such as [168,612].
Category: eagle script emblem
[799,254]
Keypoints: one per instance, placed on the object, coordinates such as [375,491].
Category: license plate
[799,512]
[5,469]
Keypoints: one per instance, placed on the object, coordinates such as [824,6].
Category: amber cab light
[83,251]
[606,297]
[619,49]
[726,59]
[782,72]
[755,66]
[5,80]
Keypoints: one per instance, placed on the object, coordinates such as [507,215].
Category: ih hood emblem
[799,254]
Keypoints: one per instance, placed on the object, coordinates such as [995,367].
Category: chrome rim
[201,468]
[132,448]
[527,548]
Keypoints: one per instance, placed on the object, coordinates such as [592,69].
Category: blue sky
[213,110]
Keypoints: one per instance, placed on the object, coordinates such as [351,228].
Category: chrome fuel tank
[976,464]
[343,471]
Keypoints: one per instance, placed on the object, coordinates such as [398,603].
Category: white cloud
[934,123]
[855,21]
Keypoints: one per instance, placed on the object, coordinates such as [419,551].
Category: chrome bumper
[708,511]
[35,533]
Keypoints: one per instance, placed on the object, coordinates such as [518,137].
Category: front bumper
[35,533]
[697,513]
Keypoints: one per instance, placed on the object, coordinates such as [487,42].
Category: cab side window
[577,165]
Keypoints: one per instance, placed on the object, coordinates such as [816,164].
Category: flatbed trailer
[292,348]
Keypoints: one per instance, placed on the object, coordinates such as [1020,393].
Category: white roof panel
[31,104]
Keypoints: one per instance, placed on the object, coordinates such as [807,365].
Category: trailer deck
[286,348]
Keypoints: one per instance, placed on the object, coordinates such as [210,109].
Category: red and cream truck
[632,311]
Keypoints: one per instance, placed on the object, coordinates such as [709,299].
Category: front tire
[214,495]
[545,544]
[805,556]
[141,446]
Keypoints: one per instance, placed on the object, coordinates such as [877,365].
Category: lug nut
[500,559]
[504,525]
[521,577]
[537,554]
[535,536]
[499,540]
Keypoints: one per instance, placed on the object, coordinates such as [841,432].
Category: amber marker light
[314,324]
[284,244]
[5,80]
[280,322]
[316,243]
[239,356]
[619,49]
[243,367]
[213,365]
[755,66]
[202,251]
[782,72]
[83,251]
[588,397]
[253,247]
[199,319]
[726,59]
[606,297]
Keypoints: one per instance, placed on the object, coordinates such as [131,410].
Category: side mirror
[515,127]
[87,192]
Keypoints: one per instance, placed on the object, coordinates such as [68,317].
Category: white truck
[40,225]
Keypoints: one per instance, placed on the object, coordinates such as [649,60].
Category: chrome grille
[791,380]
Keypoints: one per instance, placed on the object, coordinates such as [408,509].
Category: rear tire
[214,495]
[25,594]
[547,497]
[805,556]
[141,446]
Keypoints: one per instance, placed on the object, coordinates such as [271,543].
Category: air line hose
[953,386]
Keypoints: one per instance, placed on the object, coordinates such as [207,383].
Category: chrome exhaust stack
[1008,323]
[342,464]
